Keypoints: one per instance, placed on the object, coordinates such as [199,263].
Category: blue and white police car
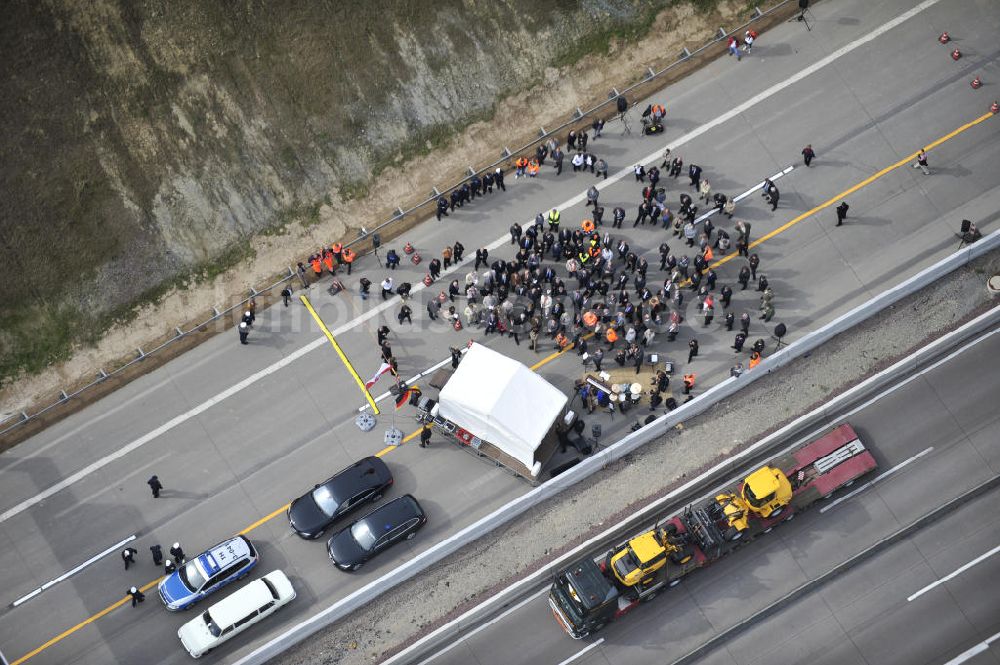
[209,571]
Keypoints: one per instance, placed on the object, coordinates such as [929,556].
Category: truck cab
[582,599]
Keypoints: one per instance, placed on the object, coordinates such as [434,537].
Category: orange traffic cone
[995,107]
[956,54]
[976,83]
[944,38]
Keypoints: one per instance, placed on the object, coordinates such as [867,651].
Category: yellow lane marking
[343,358]
[262,520]
[864,183]
[540,363]
[85,622]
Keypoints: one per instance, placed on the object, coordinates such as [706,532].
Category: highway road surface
[923,601]
[235,432]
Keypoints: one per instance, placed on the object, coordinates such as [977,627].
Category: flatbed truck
[592,592]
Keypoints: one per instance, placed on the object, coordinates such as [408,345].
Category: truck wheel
[790,518]
[650,597]
[848,484]
[597,627]
[674,583]
[768,529]
[777,513]
[733,534]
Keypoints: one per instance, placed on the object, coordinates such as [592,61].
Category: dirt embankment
[164,158]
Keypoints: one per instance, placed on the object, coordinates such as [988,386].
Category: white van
[236,613]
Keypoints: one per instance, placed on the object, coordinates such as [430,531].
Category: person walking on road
[177,553]
[386,288]
[128,556]
[157,553]
[405,314]
[155,485]
[808,154]
[425,436]
[244,332]
[694,172]
[842,212]
[286,295]
[921,162]
[137,596]
[692,349]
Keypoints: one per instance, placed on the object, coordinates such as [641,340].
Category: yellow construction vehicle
[764,493]
[636,562]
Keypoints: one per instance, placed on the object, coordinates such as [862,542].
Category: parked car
[397,520]
[233,615]
[365,481]
[211,570]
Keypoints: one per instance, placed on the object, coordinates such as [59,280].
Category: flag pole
[340,352]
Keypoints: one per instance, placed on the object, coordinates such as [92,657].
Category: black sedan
[390,523]
[312,513]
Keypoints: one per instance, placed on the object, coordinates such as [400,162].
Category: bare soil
[582,84]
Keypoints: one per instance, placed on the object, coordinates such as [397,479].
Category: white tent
[503,402]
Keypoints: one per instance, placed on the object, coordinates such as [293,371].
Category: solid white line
[589,647]
[736,199]
[974,651]
[375,311]
[950,576]
[483,626]
[877,478]
[72,572]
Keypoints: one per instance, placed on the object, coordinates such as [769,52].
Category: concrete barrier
[654,430]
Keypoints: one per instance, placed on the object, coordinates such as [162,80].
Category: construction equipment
[596,590]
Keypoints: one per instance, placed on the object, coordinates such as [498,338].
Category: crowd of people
[580,285]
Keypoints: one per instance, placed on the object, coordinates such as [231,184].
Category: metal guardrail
[142,354]
[505,514]
[366,235]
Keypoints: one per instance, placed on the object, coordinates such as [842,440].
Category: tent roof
[501,401]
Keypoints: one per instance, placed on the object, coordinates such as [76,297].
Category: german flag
[411,394]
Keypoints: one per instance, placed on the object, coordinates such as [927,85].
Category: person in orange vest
[338,251]
[532,168]
[588,225]
[328,261]
[348,257]
[561,341]
[317,266]
[611,336]
[688,383]
[521,164]
[754,359]
[709,254]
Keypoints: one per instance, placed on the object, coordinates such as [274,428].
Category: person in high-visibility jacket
[317,265]
[328,261]
[533,168]
[709,254]
[688,383]
[338,251]
[611,336]
[554,221]
[348,257]
[754,359]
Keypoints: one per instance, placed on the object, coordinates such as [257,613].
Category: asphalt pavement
[917,602]
[235,432]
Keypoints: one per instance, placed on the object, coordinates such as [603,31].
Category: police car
[209,571]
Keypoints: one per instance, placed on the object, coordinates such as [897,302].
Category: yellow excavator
[764,493]
[636,562]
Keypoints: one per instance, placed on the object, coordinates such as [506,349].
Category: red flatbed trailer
[586,595]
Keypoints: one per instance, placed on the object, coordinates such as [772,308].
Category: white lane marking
[589,647]
[409,382]
[881,476]
[953,575]
[229,392]
[736,199]
[74,571]
[484,626]
[974,651]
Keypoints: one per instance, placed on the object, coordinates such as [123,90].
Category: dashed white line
[734,112]
[25,598]
[881,476]
[974,651]
[586,649]
[484,626]
[950,576]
